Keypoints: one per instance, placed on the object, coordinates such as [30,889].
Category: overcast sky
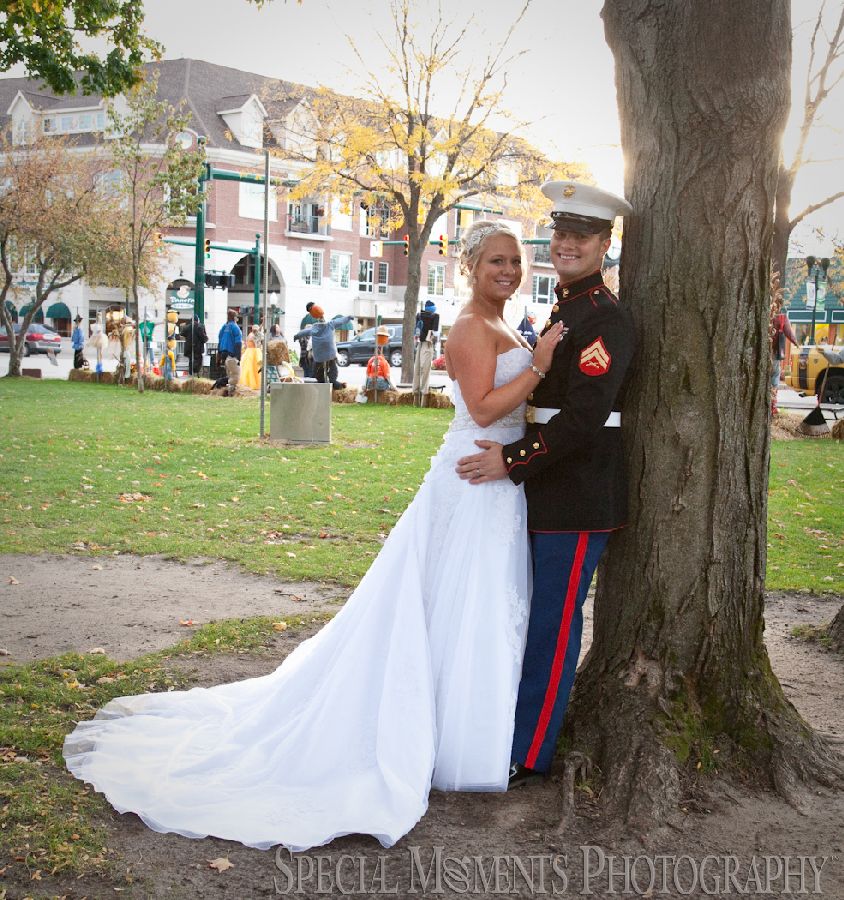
[563,84]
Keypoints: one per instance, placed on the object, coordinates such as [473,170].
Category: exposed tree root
[647,745]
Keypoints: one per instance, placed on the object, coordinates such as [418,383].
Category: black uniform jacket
[573,467]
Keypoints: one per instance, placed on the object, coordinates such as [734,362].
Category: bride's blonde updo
[473,240]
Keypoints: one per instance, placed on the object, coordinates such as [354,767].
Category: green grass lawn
[98,469]
[187,476]
[806,516]
[102,469]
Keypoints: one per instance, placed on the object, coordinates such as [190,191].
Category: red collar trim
[580,287]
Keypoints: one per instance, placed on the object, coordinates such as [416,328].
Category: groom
[571,462]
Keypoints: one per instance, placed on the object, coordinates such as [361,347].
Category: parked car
[818,367]
[39,339]
[362,346]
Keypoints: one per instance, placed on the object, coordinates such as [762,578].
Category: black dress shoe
[520,775]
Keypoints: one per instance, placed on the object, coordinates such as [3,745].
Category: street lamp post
[815,287]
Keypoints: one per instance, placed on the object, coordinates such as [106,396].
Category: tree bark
[411,307]
[835,630]
[782,224]
[678,669]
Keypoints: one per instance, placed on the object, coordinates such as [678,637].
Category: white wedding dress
[412,685]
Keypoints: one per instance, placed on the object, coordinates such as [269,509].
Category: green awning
[58,311]
[12,310]
[38,317]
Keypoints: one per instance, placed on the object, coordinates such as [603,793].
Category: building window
[375,221]
[383,277]
[303,216]
[543,288]
[251,202]
[312,266]
[465,217]
[436,279]
[340,265]
[79,123]
[366,274]
[541,253]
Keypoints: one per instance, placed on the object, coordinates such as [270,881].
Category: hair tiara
[479,232]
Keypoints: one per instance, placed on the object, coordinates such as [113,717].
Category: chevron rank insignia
[595,359]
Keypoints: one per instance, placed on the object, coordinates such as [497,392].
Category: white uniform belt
[540,415]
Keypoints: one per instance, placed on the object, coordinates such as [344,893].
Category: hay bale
[197,385]
[438,400]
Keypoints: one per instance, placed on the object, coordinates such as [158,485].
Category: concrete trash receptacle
[300,413]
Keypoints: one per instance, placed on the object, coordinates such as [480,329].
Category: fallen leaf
[221,863]
[97,650]
[279,626]
[97,567]
[186,622]
[13,580]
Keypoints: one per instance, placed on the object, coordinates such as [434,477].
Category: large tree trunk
[17,342]
[835,630]
[678,668]
[411,307]
[782,223]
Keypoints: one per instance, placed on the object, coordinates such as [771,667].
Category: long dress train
[413,684]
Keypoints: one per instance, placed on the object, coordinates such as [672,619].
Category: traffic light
[207,248]
[406,240]
[157,238]
[443,244]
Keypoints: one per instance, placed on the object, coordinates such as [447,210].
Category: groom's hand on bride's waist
[481,467]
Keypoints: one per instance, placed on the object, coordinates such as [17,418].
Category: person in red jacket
[781,334]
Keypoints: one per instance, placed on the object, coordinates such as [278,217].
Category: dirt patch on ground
[131,605]
[468,844]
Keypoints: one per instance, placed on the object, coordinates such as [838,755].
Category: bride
[411,686]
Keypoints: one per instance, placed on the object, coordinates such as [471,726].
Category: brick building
[318,250]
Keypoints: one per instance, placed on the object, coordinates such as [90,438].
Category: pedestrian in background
[200,339]
[230,339]
[229,346]
[526,330]
[781,334]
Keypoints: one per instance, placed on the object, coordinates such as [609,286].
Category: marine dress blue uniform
[571,462]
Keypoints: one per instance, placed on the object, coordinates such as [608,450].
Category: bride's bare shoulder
[473,329]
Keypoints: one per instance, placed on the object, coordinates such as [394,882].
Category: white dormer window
[245,120]
[74,122]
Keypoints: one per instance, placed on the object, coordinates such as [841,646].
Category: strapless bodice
[508,365]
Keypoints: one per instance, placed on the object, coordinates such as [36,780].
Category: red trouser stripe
[560,651]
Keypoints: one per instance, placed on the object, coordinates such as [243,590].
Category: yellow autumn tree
[395,150]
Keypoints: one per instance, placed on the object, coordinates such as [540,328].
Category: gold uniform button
[521,452]
[555,308]
[536,446]
[565,292]
[509,459]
